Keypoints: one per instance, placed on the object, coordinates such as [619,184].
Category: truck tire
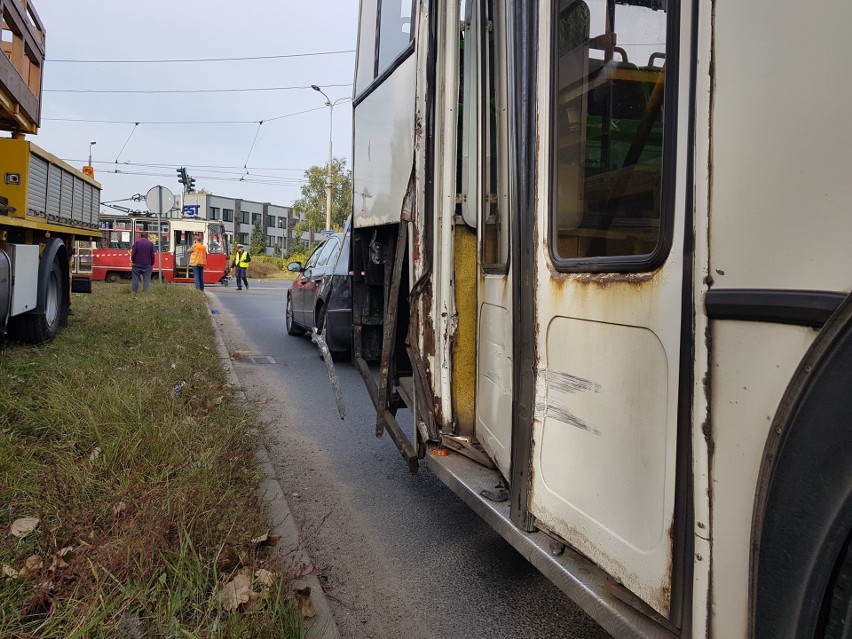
[43,323]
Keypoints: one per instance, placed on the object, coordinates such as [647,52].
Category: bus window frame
[501,121]
[377,51]
[647,262]
[395,63]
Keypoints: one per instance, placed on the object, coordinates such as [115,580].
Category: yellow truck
[47,207]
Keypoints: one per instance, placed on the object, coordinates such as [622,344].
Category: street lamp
[328,185]
[91,144]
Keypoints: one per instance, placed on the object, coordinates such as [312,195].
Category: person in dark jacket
[142,263]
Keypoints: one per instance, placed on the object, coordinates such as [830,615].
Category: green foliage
[311,206]
[300,254]
[256,246]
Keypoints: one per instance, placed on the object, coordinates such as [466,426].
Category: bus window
[494,207]
[395,30]
[607,128]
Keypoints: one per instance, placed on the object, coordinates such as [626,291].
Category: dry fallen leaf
[58,562]
[118,509]
[261,538]
[265,577]
[237,591]
[96,452]
[23,526]
[271,540]
[243,556]
[8,571]
[254,604]
[306,606]
[33,564]
[227,559]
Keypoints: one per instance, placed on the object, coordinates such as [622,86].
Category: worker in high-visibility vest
[198,260]
[241,262]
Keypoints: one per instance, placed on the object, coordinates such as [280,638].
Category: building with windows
[240,216]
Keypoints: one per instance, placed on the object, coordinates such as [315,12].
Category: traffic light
[182,177]
[190,184]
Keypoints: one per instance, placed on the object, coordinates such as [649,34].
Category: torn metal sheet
[319,340]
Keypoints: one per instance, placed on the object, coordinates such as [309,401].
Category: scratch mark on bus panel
[558,386]
[565,383]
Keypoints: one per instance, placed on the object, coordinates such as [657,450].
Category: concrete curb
[323,625]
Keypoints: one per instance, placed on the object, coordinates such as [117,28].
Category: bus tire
[803,506]
[43,323]
[839,600]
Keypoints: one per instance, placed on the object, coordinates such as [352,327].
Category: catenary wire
[161,91]
[236,59]
[170,122]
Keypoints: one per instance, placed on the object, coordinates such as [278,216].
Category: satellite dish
[159,200]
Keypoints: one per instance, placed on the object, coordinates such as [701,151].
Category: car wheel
[292,327]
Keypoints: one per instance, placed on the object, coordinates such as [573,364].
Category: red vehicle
[111,258]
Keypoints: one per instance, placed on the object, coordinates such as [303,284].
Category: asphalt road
[400,556]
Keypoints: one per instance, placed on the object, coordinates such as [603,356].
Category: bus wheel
[42,324]
[839,600]
[113,277]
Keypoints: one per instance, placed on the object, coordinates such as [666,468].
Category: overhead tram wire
[170,122]
[161,91]
[188,165]
[173,60]
[283,182]
[132,131]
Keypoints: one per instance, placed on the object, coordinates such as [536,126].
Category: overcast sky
[180,29]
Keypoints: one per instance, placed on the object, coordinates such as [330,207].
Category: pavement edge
[323,625]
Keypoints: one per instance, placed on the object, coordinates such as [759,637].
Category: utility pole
[329,183]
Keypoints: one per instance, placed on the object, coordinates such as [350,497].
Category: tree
[311,206]
[257,246]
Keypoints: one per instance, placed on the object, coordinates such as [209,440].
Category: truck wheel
[42,324]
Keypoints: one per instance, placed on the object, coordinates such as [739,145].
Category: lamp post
[328,185]
[91,144]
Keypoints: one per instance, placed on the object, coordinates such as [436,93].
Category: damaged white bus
[600,251]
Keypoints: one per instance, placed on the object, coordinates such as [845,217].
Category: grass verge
[123,440]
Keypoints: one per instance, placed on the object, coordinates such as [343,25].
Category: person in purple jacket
[142,263]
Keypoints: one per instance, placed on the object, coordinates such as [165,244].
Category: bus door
[609,291]
[485,165]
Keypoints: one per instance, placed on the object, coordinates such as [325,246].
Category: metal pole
[328,185]
[160,234]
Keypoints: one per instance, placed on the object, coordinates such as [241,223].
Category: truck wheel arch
[803,506]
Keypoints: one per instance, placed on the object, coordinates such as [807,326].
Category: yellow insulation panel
[464,343]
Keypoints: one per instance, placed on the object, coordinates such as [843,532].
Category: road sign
[159,200]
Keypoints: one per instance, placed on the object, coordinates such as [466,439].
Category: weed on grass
[122,439]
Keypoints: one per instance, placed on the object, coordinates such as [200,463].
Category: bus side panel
[779,220]
[749,375]
[384,148]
